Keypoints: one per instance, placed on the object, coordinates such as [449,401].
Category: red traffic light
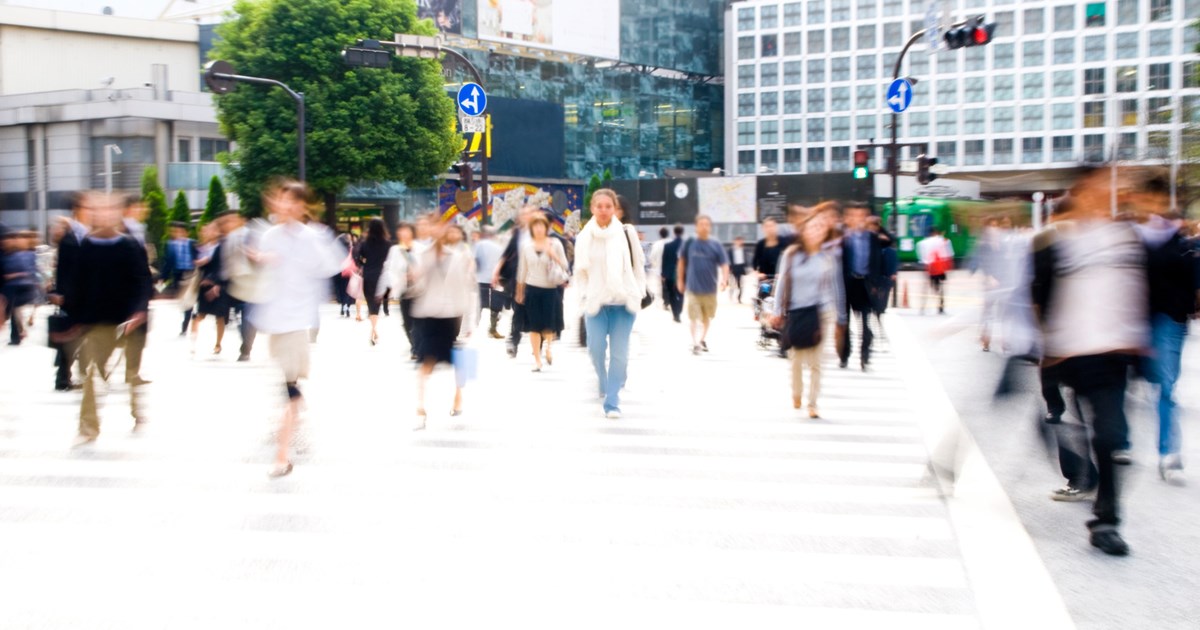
[861,158]
[982,34]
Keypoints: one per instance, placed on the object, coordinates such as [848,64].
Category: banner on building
[446,14]
[591,27]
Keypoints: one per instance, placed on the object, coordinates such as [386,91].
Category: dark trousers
[518,320]
[66,355]
[16,296]
[1074,453]
[247,330]
[736,273]
[407,319]
[673,297]
[858,300]
[1099,381]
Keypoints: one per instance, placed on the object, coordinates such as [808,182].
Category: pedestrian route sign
[474,124]
[899,95]
[472,100]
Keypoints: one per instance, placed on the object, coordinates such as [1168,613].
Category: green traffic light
[861,172]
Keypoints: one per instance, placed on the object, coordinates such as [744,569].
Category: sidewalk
[711,504]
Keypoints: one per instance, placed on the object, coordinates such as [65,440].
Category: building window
[1127,146]
[893,7]
[1159,111]
[1127,78]
[1093,15]
[770,45]
[1094,48]
[947,123]
[1033,118]
[864,126]
[1190,79]
[947,92]
[793,102]
[1191,114]
[746,19]
[816,129]
[1129,112]
[816,101]
[1004,24]
[1158,145]
[839,99]
[816,42]
[792,12]
[1158,76]
[839,40]
[769,103]
[1160,43]
[1064,51]
[1033,53]
[839,159]
[947,61]
[839,128]
[1127,12]
[816,71]
[1064,83]
[793,160]
[793,131]
[769,158]
[746,48]
[816,11]
[1093,81]
[1033,85]
[947,153]
[839,11]
[745,162]
[1191,39]
[918,65]
[746,104]
[1127,45]
[866,37]
[769,75]
[1035,21]
[973,153]
[1032,151]
[791,73]
[791,44]
[1191,9]
[1063,116]
[975,59]
[768,17]
[866,67]
[745,76]
[1002,88]
[1093,115]
[768,132]
[816,159]
[973,121]
[1002,120]
[745,134]
[893,35]
[974,90]
[1062,149]
[839,69]
[1002,151]
[867,9]
[1064,18]
[1160,10]
[210,148]
[1093,148]
[185,150]
[1002,56]
[866,97]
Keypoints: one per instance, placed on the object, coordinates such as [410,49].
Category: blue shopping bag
[466,364]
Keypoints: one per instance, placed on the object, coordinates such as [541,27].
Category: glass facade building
[1061,84]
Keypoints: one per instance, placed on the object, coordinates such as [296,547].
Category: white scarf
[619,278]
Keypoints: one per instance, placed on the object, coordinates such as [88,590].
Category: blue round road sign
[899,95]
[472,100]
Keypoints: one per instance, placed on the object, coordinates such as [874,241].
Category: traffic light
[973,32]
[862,169]
[923,166]
[465,176]
[369,53]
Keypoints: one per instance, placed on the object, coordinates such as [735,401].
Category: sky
[145,9]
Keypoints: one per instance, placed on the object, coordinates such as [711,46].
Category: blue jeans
[610,330]
[1167,335]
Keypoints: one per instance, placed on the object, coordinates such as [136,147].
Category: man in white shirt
[655,278]
[937,254]
[487,256]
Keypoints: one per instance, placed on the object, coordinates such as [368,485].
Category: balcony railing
[195,175]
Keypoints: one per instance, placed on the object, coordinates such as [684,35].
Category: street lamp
[109,150]
[719,171]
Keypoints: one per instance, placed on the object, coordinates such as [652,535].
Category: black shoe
[242,358]
[677,320]
[1107,539]
[704,346]
[843,363]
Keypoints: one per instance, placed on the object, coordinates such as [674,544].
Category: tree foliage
[181,211]
[216,203]
[156,217]
[150,183]
[595,183]
[364,124]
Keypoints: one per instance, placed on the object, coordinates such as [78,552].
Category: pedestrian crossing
[712,503]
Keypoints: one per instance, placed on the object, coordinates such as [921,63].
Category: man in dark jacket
[864,274]
[67,348]
[670,273]
[506,275]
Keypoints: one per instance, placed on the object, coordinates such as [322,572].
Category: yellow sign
[473,141]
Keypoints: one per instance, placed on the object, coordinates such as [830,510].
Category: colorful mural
[508,198]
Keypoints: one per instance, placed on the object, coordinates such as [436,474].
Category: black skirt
[543,310]
[434,338]
[218,307]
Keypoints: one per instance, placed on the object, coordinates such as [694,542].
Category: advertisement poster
[507,199]
[446,14]
[729,199]
[591,27]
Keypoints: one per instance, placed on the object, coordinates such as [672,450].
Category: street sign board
[899,95]
[908,166]
[933,27]
[472,100]
[939,169]
[219,84]
[474,124]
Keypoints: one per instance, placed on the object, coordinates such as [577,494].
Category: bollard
[904,297]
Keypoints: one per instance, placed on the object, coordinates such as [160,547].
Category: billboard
[584,27]
[446,14]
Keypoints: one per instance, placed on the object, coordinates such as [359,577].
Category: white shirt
[487,256]
[927,247]
[738,255]
[299,262]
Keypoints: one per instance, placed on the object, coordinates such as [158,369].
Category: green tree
[181,212]
[150,183]
[156,218]
[364,124]
[216,203]
[595,183]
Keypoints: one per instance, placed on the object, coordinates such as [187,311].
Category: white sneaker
[1170,468]
[613,415]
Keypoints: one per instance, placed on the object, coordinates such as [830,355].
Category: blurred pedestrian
[882,290]
[672,296]
[737,266]
[487,256]
[298,261]
[809,296]
[211,299]
[446,293]
[862,273]
[703,272]
[20,281]
[505,276]
[243,282]
[134,340]
[109,301]
[410,249]
[936,252]
[370,255]
[541,270]
[611,279]
[768,249]
[179,262]
[67,337]
[655,275]
[341,281]
[1091,296]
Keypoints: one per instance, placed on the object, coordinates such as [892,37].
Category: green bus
[959,219]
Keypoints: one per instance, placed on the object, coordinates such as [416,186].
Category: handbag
[466,364]
[648,298]
[354,287]
[59,327]
[558,275]
[803,328]
[191,291]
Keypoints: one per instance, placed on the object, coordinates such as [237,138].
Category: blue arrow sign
[472,100]
[899,95]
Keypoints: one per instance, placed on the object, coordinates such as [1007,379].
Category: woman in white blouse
[541,269]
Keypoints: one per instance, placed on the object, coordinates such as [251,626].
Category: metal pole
[301,137]
[894,165]
[108,169]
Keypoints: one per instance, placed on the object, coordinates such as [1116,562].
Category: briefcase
[59,327]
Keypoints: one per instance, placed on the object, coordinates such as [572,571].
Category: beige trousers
[811,357]
[99,343]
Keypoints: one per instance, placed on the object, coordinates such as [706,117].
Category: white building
[1062,84]
[72,83]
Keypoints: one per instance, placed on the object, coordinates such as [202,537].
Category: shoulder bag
[648,298]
